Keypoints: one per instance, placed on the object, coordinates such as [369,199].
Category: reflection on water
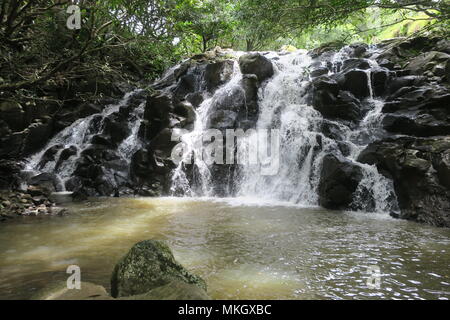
[243,249]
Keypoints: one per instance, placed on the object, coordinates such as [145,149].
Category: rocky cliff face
[417,116]
[412,78]
[124,147]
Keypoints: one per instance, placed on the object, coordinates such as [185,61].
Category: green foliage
[309,23]
[139,39]
[205,23]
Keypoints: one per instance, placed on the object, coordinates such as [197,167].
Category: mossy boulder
[148,265]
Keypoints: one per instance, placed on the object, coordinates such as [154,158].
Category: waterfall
[78,137]
[283,104]
[193,143]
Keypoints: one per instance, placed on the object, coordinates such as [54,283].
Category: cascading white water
[283,105]
[132,144]
[193,142]
[79,135]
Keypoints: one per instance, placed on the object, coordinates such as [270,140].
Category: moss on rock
[148,265]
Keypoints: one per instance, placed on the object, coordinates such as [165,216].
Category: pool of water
[243,248]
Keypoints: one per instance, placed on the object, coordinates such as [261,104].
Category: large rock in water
[420,169]
[255,63]
[148,265]
[339,180]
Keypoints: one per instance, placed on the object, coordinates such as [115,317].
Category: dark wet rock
[338,182]
[12,113]
[419,111]
[427,62]
[399,50]
[195,98]
[65,155]
[50,155]
[327,84]
[400,83]
[102,140]
[327,47]
[86,109]
[39,133]
[332,130]
[116,128]
[319,72]
[255,63]
[250,88]
[159,113]
[417,44]
[234,101]
[148,173]
[419,169]
[38,191]
[218,73]
[9,174]
[185,110]
[343,105]
[385,63]
[380,80]
[359,49]
[163,143]
[355,81]
[73,183]
[12,144]
[149,265]
[99,171]
[441,163]
[421,125]
[46,181]
[354,63]
[185,85]
[405,97]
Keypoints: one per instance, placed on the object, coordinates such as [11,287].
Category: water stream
[244,248]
